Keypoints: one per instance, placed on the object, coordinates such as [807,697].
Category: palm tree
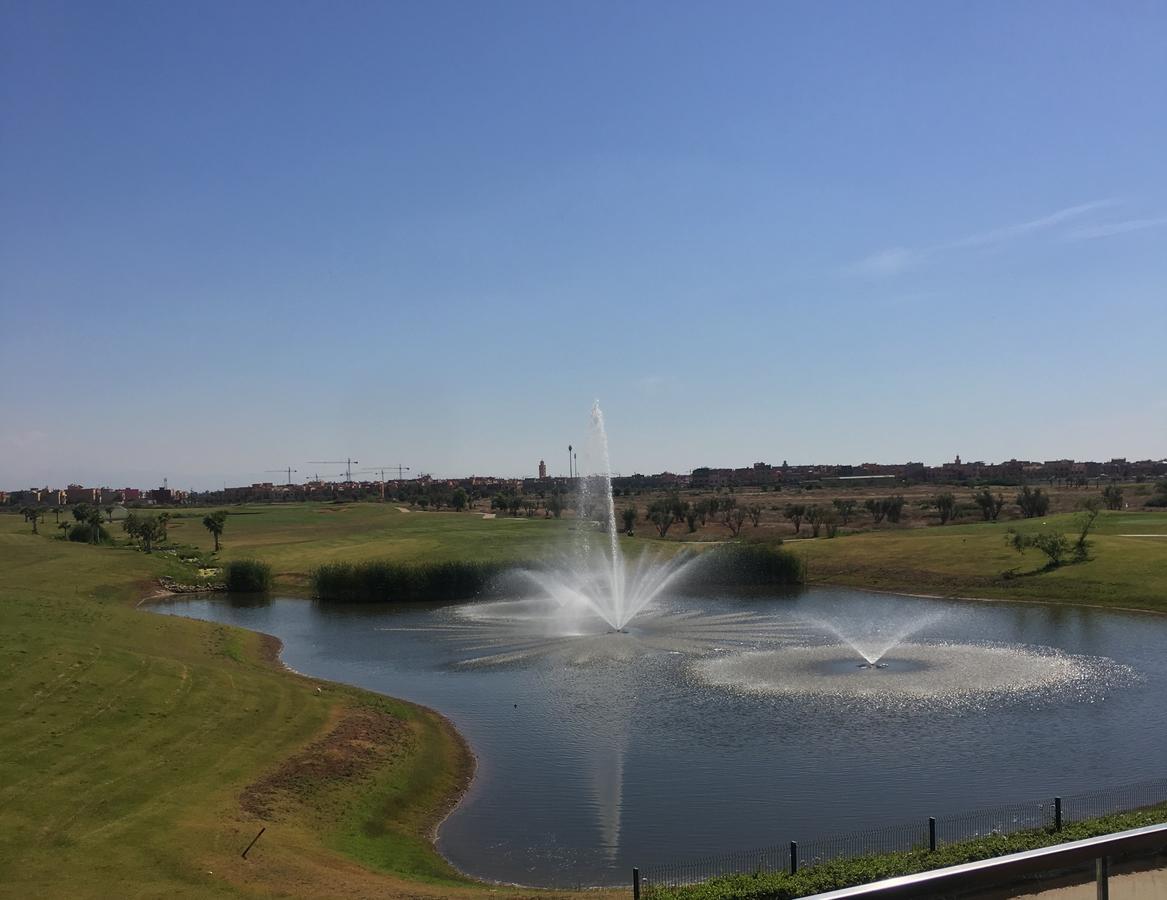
[214,524]
[30,515]
[57,514]
[109,512]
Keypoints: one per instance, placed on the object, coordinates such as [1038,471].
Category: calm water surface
[598,751]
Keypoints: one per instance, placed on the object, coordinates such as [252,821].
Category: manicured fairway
[972,561]
[295,537]
[141,753]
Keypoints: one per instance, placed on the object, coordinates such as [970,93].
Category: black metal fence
[931,833]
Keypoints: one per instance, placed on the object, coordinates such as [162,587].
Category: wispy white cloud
[1023,229]
[893,260]
[1112,228]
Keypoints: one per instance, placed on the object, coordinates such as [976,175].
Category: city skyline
[542,472]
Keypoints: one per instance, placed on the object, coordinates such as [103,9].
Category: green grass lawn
[129,739]
[293,538]
[972,560]
[969,559]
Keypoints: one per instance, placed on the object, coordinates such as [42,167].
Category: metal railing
[1013,868]
[1048,814]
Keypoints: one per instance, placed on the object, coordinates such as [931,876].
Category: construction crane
[347,463]
[289,470]
[401,470]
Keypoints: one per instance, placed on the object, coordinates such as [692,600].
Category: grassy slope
[128,739]
[969,560]
[295,537]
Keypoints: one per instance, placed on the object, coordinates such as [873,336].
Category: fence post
[635,883]
[794,857]
[1057,813]
[1102,867]
[931,833]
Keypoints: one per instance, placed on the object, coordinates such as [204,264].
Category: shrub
[749,565]
[88,533]
[391,582]
[247,576]
[842,873]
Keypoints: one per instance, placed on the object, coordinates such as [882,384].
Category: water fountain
[594,580]
[873,639]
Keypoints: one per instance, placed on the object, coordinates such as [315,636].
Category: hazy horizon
[242,237]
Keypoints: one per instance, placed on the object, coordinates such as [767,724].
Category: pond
[720,723]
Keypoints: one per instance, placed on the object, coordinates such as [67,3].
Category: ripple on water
[918,675]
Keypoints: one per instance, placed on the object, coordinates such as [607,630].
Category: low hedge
[843,873]
[748,565]
[247,576]
[392,582]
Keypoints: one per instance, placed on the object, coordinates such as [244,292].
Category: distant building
[542,470]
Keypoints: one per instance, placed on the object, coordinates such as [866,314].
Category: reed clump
[378,581]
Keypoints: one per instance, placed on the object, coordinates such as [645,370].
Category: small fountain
[874,640]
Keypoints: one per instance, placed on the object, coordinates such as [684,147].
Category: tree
[893,508]
[1052,543]
[945,505]
[989,505]
[1033,502]
[81,512]
[876,508]
[1085,521]
[814,518]
[555,504]
[65,526]
[703,508]
[734,520]
[661,516]
[30,514]
[214,523]
[795,512]
[629,517]
[831,521]
[754,511]
[691,517]
[93,520]
[514,504]
[109,512]
[1112,496]
[147,530]
[57,514]
[845,509]
[459,499]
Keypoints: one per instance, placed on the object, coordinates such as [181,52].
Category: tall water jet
[595,579]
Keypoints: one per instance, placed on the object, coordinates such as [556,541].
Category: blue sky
[235,237]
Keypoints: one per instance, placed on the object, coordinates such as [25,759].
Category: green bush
[247,576]
[842,873]
[391,582]
[749,565]
[88,533]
